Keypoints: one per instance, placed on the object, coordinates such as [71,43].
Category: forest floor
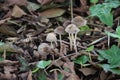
[59,40]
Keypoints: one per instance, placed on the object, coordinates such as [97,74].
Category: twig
[71,7]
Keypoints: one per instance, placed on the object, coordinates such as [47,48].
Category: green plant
[88,50]
[93,1]
[112,57]
[115,35]
[41,65]
[103,11]
[82,60]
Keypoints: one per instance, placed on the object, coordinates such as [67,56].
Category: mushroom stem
[70,38]
[60,43]
[60,40]
[75,47]
[51,44]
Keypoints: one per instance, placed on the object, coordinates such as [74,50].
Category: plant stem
[71,8]
[35,70]
[70,38]
[108,41]
[118,42]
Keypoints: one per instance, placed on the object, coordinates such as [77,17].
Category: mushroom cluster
[72,30]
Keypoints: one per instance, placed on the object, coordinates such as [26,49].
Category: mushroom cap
[59,30]
[42,47]
[79,21]
[51,37]
[72,28]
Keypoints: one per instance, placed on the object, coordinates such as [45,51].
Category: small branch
[71,8]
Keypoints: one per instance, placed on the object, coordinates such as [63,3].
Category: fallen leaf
[29,76]
[7,30]
[9,69]
[33,6]
[16,2]
[51,13]
[73,77]
[7,76]
[103,75]
[3,21]
[60,1]
[24,75]
[8,62]
[43,2]
[88,71]
[17,12]
[7,47]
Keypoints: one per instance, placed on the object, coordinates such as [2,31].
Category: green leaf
[111,55]
[33,6]
[60,76]
[103,11]
[42,76]
[107,68]
[81,60]
[106,18]
[7,47]
[42,64]
[84,29]
[118,30]
[24,64]
[112,34]
[1,58]
[93,1]
[90,48]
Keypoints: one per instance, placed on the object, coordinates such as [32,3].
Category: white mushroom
[51,37]
[72,30]
[44,49]
[59,30]
[79,21]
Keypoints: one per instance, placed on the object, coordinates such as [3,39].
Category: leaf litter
[25,54]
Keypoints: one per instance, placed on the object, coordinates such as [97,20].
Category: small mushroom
[51,37]
[72,30]
[79,21]
[44,49]
[59,30]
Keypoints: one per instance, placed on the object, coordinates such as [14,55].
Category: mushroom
[44,49]
[59,30]
[51,37]
[72,30]
[79,21]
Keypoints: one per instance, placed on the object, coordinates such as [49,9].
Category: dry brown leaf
[16,2]
[73,77]
[9,69]
[29,76]
[43,2]
[3,21]
[88,71]
[18,12]
[103,75]
[60,1]
[51,13]
[8,62]
[7,76]
[70,65]
[7,30]
[24,75]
